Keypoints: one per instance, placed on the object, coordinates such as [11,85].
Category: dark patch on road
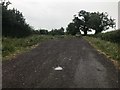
[83,67]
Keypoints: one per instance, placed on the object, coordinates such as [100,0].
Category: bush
[113,36]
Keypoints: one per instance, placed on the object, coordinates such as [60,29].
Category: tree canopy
[72,29]
[87,21]
[13,22]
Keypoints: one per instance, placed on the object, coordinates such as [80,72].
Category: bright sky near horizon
[50,14]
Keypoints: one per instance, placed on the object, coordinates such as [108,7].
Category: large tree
[83,19]
[80,22]
[72,29]
[86,21]
[100,22]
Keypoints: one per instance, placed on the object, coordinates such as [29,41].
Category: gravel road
[82,67]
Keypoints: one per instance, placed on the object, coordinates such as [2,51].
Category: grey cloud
[46,14]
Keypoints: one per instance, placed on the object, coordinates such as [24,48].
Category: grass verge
[13,46]
[111,50]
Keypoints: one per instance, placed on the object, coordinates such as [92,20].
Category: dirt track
[83,67]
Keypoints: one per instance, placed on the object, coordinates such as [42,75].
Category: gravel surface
[82,67]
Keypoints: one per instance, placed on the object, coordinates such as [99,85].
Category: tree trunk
[99,30]
[85,32]
[96,32]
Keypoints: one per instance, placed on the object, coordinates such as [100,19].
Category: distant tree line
[40,32]
[57,31]
[88,21]
[52,32]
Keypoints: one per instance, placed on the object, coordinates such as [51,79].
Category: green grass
[109,48]
[12,46]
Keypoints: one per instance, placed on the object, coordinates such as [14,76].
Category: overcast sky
[50,14]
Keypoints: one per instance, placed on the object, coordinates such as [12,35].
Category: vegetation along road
[79,66]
